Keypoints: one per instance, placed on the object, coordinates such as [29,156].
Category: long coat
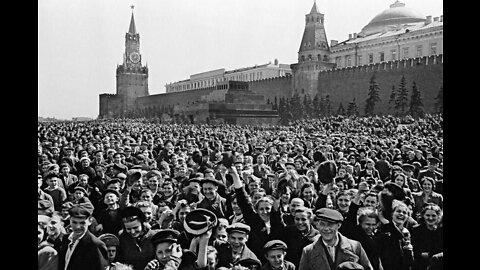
[90,253]
[314,255]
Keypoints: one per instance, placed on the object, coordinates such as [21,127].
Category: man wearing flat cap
[413,184]
[81,249]
[275,251]
[235,250]
[213,201]
[331,248]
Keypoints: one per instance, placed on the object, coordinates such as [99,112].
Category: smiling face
[400,214]
[275,258]
[308,193]
[431,217]
[343,202]
[134,228]
[302,221]
[369,225]
[328,230]
[237,240]
[264,209]
[209,190]
[427,186]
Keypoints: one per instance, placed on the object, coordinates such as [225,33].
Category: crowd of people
[332,193]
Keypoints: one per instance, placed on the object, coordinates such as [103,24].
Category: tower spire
[132,28]
[314,8]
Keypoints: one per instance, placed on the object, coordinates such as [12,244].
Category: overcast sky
[80,42]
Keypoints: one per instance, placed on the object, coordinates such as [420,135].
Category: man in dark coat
[299,235]
[81,249]
[213,201]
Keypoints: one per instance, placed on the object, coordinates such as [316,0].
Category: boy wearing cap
[112,243]
[275,252]
[235,250]
[331,248]
[170,256]
[81,249]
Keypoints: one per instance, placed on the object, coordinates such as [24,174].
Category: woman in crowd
[427,237]
[265,221]
[427,195]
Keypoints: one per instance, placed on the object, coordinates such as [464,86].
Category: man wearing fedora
[331,248]
[81,249]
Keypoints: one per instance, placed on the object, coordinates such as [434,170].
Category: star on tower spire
[132,28]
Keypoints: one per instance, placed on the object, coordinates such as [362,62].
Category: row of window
[213,82]
[311,58]
[392,56]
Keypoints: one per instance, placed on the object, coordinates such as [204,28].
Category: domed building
[395,33]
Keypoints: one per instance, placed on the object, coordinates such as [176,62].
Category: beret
[433,160]
[133,213]
[274,244]
[109,239]
[199,221]
[328,214]
[79,211]
[165,235]
[238,227]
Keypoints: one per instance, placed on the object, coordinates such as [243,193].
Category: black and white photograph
[240,135]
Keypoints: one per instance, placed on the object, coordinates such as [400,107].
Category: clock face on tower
[134,57]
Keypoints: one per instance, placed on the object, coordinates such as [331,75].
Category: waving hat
[199,221]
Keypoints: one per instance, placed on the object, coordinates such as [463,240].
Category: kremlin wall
[314,74]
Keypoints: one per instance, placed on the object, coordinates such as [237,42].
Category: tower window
[319,57]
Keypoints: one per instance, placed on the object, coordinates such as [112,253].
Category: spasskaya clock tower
[132,77]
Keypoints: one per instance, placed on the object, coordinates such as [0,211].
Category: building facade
[394,34]
[214,77]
